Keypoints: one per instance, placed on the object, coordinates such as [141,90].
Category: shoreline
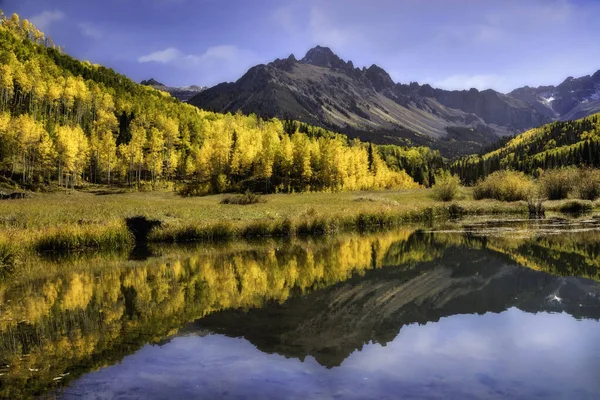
[88,222]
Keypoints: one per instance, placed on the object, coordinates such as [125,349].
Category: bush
[446,187]
[588,184]
[557,184]
[504,186]
[455,210]
[194,189]
[244,199]
[576,207]
[535,205]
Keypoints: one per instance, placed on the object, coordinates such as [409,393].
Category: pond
[469,310]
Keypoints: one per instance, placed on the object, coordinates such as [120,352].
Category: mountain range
[322,89]
[573,99]
[182,93]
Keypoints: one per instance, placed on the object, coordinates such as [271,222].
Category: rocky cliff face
[325,90]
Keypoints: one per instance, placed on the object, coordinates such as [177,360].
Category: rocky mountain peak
[323,57]
[378,77]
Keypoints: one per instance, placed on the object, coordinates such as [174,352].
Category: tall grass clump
[192,233]
[8,259]
[504,185]
[114,235]
[557,184]
[244,199]
[588,184]
[446,187]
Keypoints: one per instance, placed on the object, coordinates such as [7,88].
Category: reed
[75,238]
[9,256]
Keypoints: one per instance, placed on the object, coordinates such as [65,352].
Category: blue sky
[454,44]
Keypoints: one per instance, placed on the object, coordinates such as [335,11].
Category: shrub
[284,228]
[244,199]
[504,186]
[557,184]
[194,189]
[535,205]
[446,187]
[576,207]
[588,184]
[455,210]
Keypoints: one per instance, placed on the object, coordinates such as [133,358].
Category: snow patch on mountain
[548,100]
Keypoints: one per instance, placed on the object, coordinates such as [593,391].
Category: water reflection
[326,301]
[512,355]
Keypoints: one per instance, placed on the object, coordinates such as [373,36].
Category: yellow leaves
[53,92]
[4,122]
[6,77]
[155,145]
[72,148]
[106,121]
[157,137]
[79,292]
[81,314]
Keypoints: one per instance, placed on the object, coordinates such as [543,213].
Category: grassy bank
[67,221]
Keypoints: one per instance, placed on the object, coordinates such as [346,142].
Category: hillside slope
[324,90]
[68,122]
[559,144]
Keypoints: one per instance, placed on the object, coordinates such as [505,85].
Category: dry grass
[68,221]
[244,199]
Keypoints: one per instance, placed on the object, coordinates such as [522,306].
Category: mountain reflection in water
[421,315]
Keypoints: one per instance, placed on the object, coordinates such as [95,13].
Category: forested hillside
[559,144]
[70,122]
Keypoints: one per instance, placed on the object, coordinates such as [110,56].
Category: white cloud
[163,56]
[481,82]
[90,30]
[216,64]
[215,54]
[43,20]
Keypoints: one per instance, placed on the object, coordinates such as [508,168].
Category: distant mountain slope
[574,98]
[182,93]
[325,90]
[559,144]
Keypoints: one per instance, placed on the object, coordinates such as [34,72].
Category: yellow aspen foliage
[69,117]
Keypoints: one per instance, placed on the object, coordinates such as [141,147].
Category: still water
[490,310]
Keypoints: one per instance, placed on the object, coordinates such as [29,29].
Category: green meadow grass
[69,221]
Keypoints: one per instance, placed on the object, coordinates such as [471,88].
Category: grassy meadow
[95,218]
